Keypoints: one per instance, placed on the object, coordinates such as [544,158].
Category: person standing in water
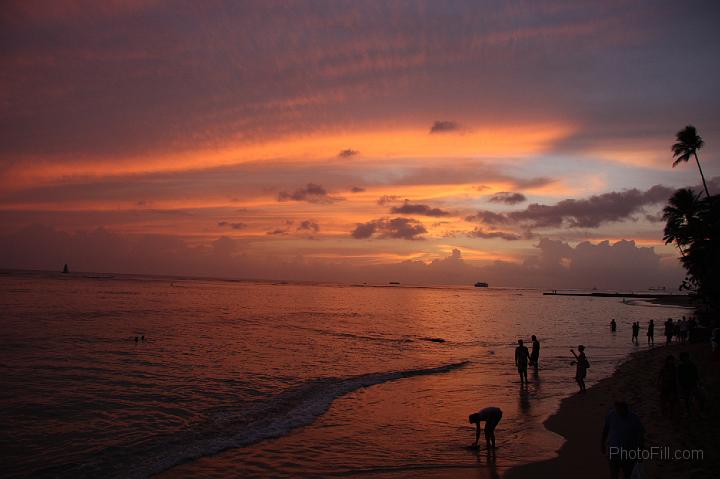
[521,361]
[635,332]
[668,330]
[535,354]
[613,325]
[651,333]
[581,366]
[491,415]
[683,330]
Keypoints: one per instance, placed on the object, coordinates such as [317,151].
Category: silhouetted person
[535,354]
[613,325]
[581,366]
[668,330]
[715,340]
[136,339]
[521,360]
[668,386]
[623,432]
[683,330]
[688,381]
[635,332]
[491,415]
[651,333]
[142,338]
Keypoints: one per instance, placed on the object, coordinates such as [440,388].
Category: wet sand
[580,420]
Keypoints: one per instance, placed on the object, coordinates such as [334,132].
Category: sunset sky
[438,142]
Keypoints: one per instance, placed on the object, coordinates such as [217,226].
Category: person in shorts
[491,415]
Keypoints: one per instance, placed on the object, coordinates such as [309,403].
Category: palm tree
[682,216]
[688,143]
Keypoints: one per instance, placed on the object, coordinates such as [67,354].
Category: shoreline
[579,420]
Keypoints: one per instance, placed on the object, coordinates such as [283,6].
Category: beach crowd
[679,388]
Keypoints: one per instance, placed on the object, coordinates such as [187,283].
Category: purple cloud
[444,126]
[311,193]
[408,208]
[584,213]
[385,199]
[347,153]
[309,225]
[507,198]
[488,217]
[235,226]
[481,233]
[396,228]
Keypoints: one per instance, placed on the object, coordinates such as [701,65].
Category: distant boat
[481,285]
[657,288]
[66,270]
[394,282]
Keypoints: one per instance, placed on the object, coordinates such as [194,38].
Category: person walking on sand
[635,332]
[668,330]
[651,333]
[535,354]
[668,386]
[521,361]
[581,366]
[491,415]
[622,433]
[613,325]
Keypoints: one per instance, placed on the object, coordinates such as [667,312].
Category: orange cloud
[483,141]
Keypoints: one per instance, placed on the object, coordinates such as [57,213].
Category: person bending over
[491,415]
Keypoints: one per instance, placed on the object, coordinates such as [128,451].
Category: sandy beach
[580,421]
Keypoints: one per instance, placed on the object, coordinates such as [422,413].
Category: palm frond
[680,159]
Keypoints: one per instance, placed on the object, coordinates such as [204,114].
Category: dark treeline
[693,225]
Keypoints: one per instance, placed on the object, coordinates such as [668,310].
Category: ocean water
[243,379]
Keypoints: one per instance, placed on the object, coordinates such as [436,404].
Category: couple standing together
[523,357]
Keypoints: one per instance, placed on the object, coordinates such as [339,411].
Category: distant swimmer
[491,415]
[521,360]
[613,325]
[535,354]
[581,366]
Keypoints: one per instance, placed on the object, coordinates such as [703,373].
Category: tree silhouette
[693,224]
[687,145]
[681,217]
